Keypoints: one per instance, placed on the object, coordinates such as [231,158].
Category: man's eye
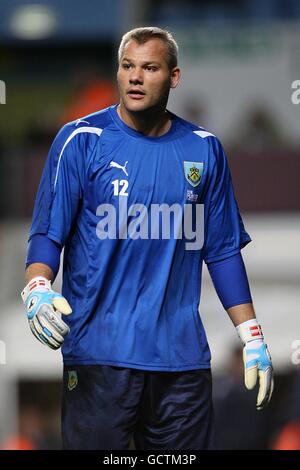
[151,68]
[126,66]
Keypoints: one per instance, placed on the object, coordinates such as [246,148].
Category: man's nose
[136,76]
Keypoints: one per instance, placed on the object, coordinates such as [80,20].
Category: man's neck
[149,124]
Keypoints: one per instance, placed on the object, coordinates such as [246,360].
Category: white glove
[257,361]
[43,307]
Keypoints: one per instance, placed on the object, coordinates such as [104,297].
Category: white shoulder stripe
[203,133]
[91,130]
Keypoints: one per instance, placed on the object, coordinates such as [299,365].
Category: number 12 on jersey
[120,187]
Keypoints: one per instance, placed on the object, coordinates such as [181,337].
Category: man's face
[144,77]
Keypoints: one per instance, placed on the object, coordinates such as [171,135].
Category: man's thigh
[100,406]
[177,412]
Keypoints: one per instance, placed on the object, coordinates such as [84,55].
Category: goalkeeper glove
[43,307]
[257,361]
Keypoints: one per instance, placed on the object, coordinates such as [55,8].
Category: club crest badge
[193,172]
[73,379]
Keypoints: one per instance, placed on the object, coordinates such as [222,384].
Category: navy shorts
[104,407]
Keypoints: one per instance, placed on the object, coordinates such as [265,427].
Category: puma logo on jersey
[117,165]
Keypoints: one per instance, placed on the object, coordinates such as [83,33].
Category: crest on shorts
[193,172]
[73,379]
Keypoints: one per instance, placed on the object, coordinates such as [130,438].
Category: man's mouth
[136,94]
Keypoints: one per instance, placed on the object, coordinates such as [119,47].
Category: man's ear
[175,77]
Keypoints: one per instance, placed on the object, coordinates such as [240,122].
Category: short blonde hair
[144,34]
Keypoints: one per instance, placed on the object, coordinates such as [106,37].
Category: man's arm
[56,207]
[225,236]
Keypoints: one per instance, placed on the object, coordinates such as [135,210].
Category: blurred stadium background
[239,59]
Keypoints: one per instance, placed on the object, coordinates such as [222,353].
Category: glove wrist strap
[250,330]
[38,281]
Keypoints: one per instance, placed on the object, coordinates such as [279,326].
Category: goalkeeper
[136,358]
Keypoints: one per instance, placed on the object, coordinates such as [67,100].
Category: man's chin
[136,106]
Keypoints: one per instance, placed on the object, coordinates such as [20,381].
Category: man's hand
[257,361]
[44,307]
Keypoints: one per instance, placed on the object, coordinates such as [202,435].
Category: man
[123,191]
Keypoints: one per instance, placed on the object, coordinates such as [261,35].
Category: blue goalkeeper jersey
[137,216]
